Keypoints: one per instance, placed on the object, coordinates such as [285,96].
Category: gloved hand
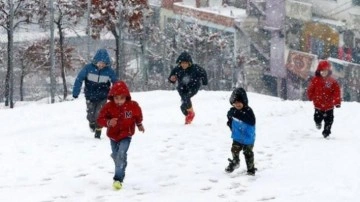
[337,106]
[74,96]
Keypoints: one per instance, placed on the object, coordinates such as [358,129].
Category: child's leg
[235,162]
[249,157]
[328,119]
[235,151]
[90,111]
[318,117]
[98,106]
[120,157]
[186,104]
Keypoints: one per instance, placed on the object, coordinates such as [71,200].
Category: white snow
[228,11]
[47,153]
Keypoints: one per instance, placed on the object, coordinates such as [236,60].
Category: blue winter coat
[242,125]
[97,82]
[242,133]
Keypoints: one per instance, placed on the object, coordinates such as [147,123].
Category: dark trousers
[247,151]
[327,116]
[186,100]
[93,109]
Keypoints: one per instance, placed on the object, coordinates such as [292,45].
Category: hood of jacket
[102,56]
[239,94]
[184,57]
[119,88]
[323,65]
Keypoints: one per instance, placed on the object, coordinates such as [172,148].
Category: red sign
[300,63]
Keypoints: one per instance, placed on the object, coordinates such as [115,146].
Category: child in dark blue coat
[241,120]
[189,77]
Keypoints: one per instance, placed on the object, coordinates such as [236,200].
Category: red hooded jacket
[324,91]
[129,114]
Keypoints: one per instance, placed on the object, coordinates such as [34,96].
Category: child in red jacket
[120,115]
[324,91]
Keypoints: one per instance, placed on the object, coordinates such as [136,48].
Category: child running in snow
[120,115]
[189,77]
[241,120]
[324,91]
[98,77]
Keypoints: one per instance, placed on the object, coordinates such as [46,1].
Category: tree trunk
[52,53]
[22,80]
[119,52]
[143,66]
[10,75]
[7,84]
[62,58]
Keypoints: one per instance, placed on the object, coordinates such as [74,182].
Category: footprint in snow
[206,188]
[214,180]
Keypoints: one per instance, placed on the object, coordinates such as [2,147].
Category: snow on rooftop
[336,23]
[228,11]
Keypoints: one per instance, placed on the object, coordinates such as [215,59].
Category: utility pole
[275,24]
[88,34]
[120,72]
[52,53]
[11,54]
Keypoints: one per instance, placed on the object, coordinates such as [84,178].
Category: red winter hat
[323,65]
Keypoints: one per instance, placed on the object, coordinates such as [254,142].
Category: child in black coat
[189,77]
[241,120]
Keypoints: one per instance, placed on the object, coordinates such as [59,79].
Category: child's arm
[229,116]
[202,75]
[173,78]
[139,118]
[337,95]
[78,81]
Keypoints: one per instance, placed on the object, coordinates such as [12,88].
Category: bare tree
[13,13]
[35,58]
[117,16]
[68,14]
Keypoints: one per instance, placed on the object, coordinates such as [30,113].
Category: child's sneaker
[189,117]
[117,185]
[98,133]
[233,164]
[251,171]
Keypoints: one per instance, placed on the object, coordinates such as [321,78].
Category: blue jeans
[119,155]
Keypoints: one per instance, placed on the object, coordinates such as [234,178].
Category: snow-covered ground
[47,153]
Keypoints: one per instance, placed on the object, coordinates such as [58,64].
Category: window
[356,2]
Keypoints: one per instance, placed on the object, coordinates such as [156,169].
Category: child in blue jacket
[98,77]
[241,120]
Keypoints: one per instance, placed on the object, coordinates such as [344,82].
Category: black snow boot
[92,126]
[326,133]
[233,164]
[251,171]
[97,133]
